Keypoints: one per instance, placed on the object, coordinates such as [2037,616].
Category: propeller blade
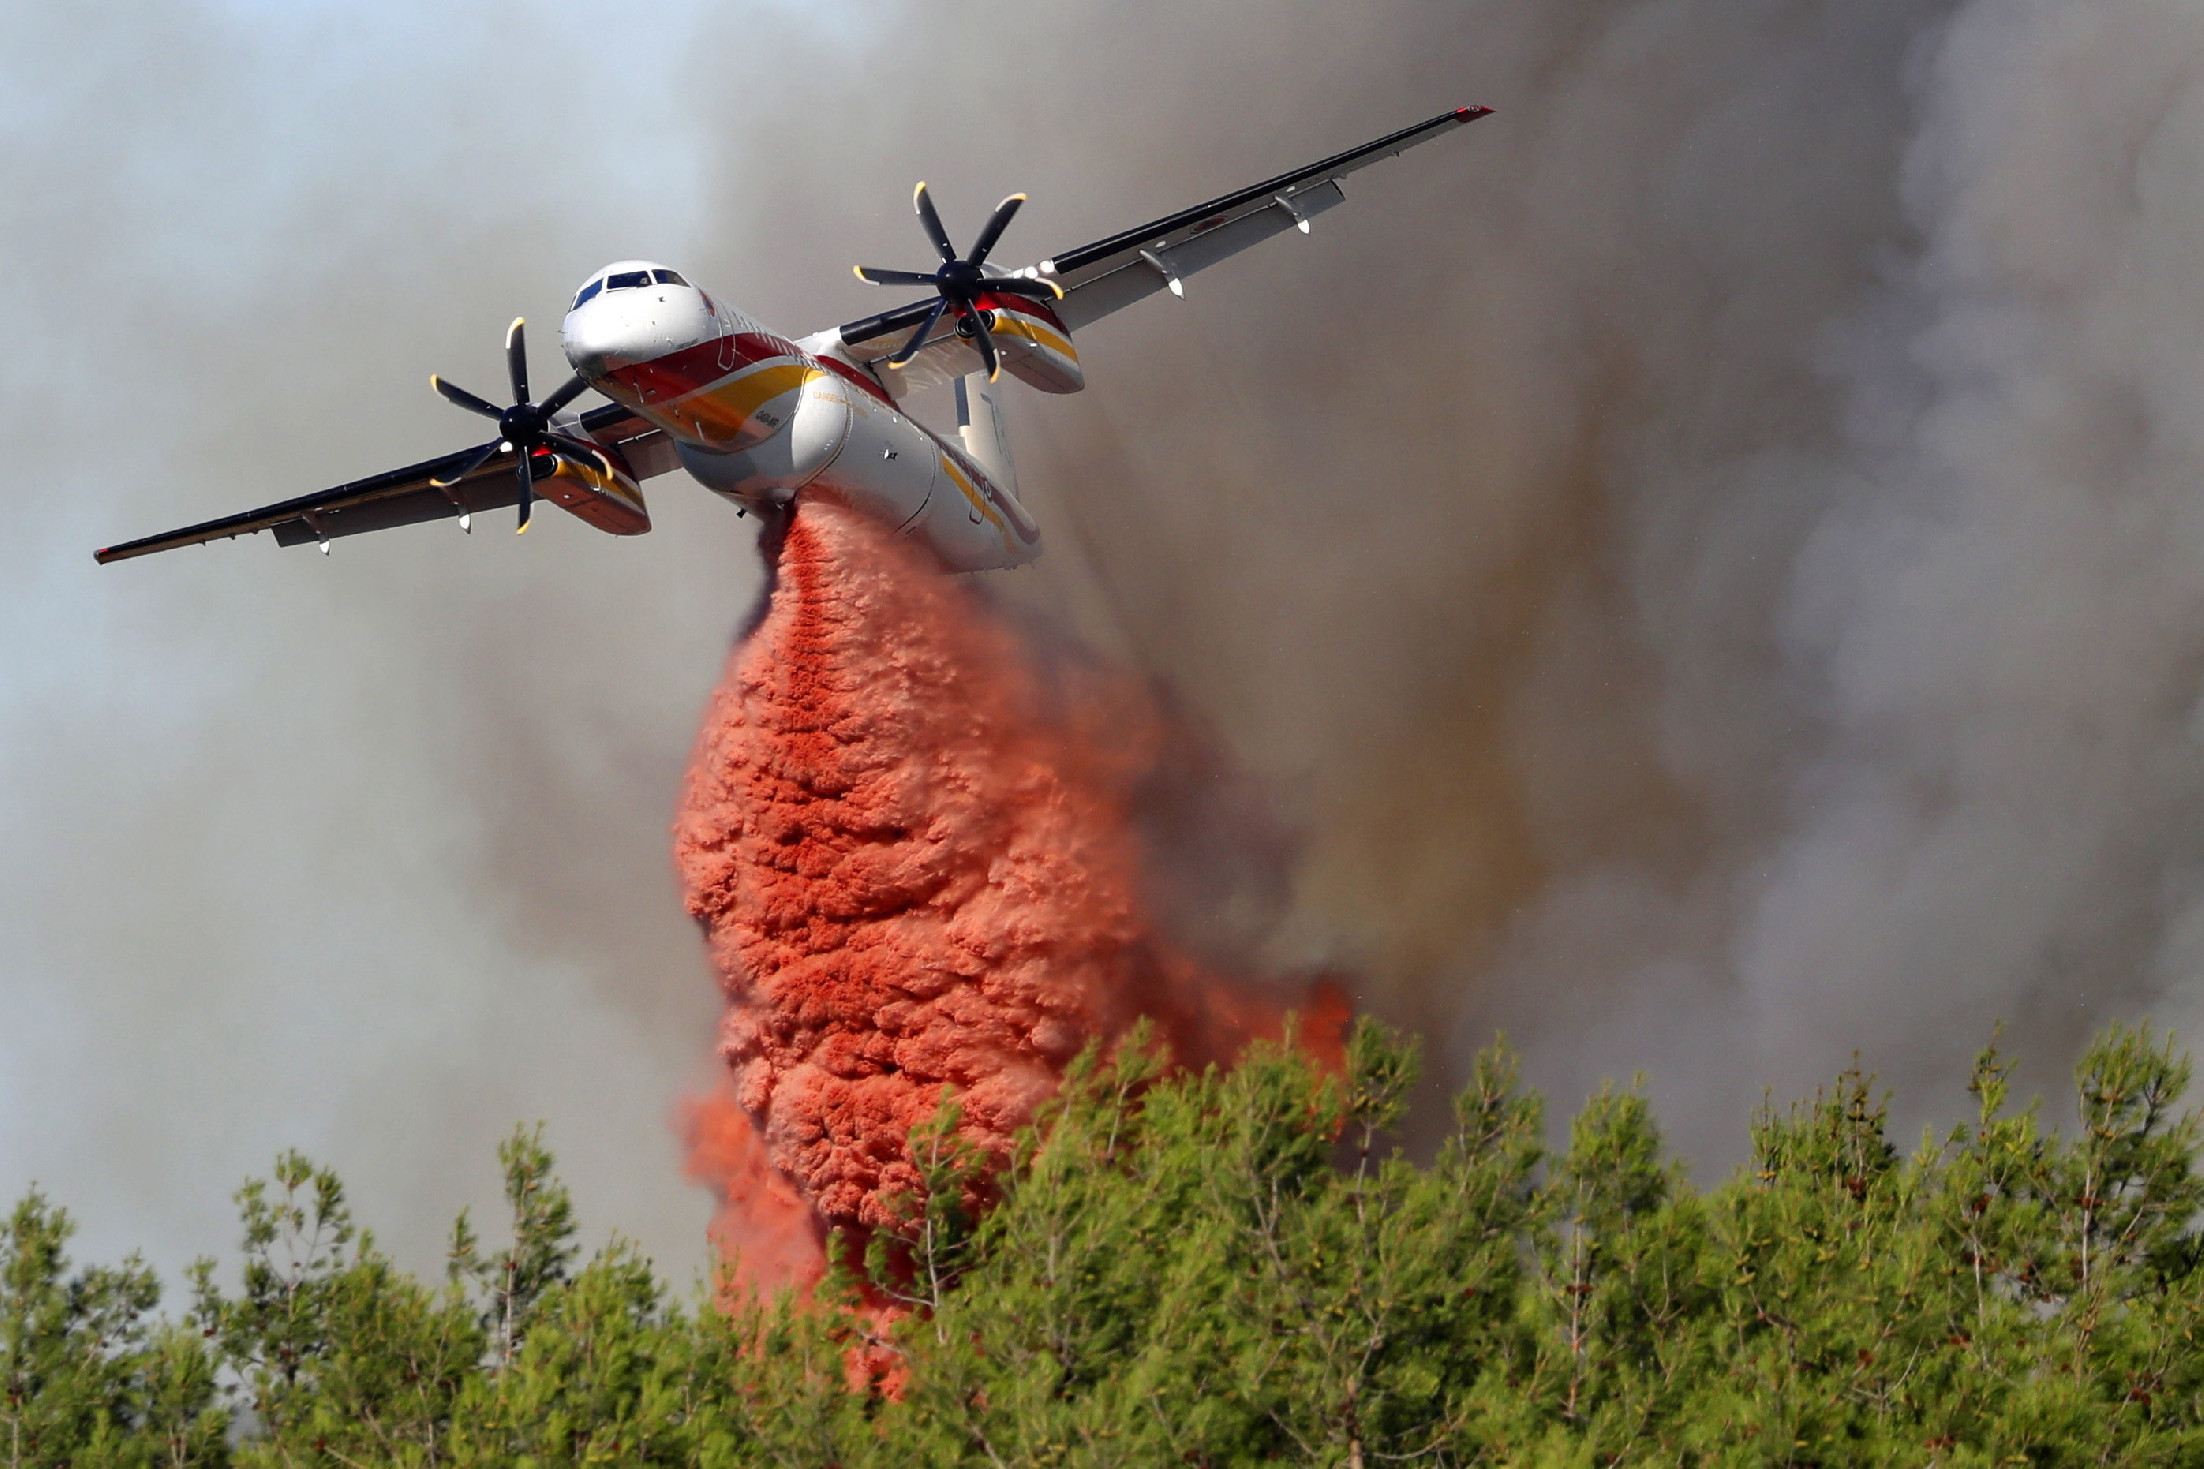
[1018,285]
[993,229]
[925,207]
[977,320]
[461,398]
[873,275]
[484,456]
[582,449]
[568,391]
[526,469]
[918,338]
[516,359]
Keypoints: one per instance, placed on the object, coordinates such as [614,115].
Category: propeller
[961,281]
[524,429]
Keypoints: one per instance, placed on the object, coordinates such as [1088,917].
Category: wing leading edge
[1112,273]
[405,496]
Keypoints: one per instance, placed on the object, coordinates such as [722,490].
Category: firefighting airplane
[763,420]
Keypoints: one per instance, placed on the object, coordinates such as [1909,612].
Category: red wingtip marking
[1471,114]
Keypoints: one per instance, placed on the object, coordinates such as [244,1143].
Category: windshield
[586,292]
[627,280]
[668,278]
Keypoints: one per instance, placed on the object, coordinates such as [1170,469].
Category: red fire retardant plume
[914,859]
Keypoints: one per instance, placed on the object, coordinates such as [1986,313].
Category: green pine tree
[85,1376]
[1229,1268]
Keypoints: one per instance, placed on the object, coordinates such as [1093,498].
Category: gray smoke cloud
[1709,552]
[1706,557]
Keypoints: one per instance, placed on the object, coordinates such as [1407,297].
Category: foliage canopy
[1227,1268]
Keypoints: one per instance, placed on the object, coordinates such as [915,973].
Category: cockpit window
[668,278]
[586,292]
[627,280]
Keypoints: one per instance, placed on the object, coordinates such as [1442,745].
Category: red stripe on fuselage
[678,374]
[757,346]
[858,376]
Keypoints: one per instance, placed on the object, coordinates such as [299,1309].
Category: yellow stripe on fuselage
[723,411]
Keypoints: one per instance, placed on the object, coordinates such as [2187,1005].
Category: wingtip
[1471,114]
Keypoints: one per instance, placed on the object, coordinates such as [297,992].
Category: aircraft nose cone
[597,342]
[619,328]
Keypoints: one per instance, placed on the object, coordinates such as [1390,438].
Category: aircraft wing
[406,496]
[1113,273]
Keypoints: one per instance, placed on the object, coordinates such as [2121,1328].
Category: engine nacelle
[1034,343]
[606,495]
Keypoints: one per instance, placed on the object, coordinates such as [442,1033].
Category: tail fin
[980,425]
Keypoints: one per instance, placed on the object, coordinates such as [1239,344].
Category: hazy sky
[1707,558]
[362,854]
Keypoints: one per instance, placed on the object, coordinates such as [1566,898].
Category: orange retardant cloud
[914,858]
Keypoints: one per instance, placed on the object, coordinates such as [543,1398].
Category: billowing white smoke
[1998,613]
[1988,614]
